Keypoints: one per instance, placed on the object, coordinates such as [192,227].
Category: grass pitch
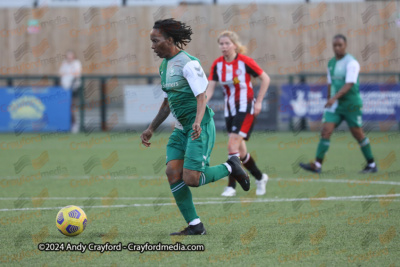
[337,218]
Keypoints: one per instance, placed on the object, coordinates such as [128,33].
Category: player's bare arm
[160,118]
[340,94]
[265,80]
[201,107]
[210,90]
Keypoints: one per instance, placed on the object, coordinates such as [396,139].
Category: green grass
[240,231]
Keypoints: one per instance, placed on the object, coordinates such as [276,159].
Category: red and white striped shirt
[235,78]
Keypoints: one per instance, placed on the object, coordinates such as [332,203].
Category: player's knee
[173,175]
[232,149]
[190,179]
[326,133]
[233,146]
[359,136]
[356,136]
[235,139]
[325,136]
[169,172]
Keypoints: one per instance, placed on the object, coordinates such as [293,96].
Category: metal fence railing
[98,93]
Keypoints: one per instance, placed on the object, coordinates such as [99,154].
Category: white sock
[228,167]
[372,165]
[195,221]
[317,164]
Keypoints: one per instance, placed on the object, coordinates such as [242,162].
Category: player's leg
[196,178]
[323,146]
[248,161]
[354,120]
[250,164]
[180,190]
[175,159]
[212,174]
[365,147]
[197,171]
[324,142]
[230,190]
[233,151]
[240,127]
[183,198]
[330,121]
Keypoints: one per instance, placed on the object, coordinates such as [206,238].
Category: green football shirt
[182,79]
[340,72]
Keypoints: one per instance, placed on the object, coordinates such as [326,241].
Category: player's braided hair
[341,36]
[177,30]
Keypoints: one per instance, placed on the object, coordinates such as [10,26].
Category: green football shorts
[352,117]
[195,153]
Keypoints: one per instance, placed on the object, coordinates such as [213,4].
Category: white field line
[101,175]
[265,200]
[307,180]
[225,199]
[164,178]
[105,198]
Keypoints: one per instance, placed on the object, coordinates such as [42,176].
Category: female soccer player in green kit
[190,144]
[344,103]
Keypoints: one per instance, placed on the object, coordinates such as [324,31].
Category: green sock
[213,174]
[366,149]
[323,147]
[183,198]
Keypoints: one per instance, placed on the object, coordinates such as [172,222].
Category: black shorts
[242,124]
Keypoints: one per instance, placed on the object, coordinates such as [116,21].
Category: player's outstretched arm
[160,117]
[210,90]
[265,80]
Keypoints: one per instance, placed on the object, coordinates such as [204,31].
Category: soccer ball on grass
[71,220]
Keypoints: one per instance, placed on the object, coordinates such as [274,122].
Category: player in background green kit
[190,144]
[344,103]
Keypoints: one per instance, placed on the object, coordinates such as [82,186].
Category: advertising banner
[34,109]
[380,101]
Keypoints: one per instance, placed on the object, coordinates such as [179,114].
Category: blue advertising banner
[380,101]
[34,109]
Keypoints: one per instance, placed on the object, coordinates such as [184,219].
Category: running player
[344,103]
[233,71]
[190,144]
